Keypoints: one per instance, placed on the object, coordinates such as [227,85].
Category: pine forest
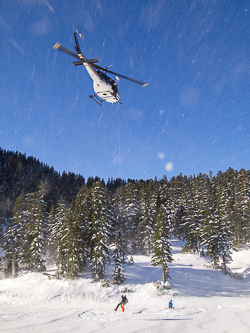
[48,217]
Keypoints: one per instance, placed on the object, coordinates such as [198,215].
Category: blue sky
[194,116]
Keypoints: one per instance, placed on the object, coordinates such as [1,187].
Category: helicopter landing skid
[97,99]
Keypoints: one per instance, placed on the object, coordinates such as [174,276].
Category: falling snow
[192,117]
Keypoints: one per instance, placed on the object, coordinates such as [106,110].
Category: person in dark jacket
[123,302]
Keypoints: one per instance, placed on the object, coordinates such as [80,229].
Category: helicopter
[106,89]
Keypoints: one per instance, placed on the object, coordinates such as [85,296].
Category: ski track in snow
[204,300]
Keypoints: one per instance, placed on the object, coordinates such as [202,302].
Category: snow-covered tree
[119,252]
[162,247]
[82,224]
[120,248]
[146,223]
[14,238]
[119,227]
[38,228]
[178,187]
[102,221]
[216,231]
[65,243]
[37,245]
[12,249]
[28,230]
[56,225]
[197,202]
[118,274]
[216,235]
[70,245]
[131,217]
[240,224]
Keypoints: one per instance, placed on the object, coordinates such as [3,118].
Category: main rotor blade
[60,47]
[143,84]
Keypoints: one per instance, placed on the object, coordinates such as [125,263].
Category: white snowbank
[205,300]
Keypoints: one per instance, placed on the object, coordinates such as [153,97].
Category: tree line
[20,173]
[99,222]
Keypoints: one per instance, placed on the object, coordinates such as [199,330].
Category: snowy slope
[205,300]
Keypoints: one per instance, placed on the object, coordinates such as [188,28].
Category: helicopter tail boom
[77,46]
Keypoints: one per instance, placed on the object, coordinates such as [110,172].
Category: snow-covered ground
[204,300]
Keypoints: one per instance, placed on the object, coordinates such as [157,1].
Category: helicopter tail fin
[89,61]
[92,61]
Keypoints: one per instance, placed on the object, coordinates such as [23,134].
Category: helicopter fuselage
[104,87]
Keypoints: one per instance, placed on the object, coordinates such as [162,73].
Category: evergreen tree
[146,223]
[216,233]
[38,229]
[216,239]
[131,216]
[119,252]
[56,227]
[27,232]
[119,225]
[13,238]
[71,247]
[37,245]
[118,274]
[168,202]
[24,215]
[16,237]
[153,192]
[65,246]
[231,204]
[161,248]
[178,187]
[82,219]
[102,221]
[77,247]
[197,203]
[70,235]
[12,249]
[241,217]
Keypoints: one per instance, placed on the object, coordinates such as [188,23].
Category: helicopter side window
[105,78]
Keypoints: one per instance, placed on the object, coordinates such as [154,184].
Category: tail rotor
[78,33]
